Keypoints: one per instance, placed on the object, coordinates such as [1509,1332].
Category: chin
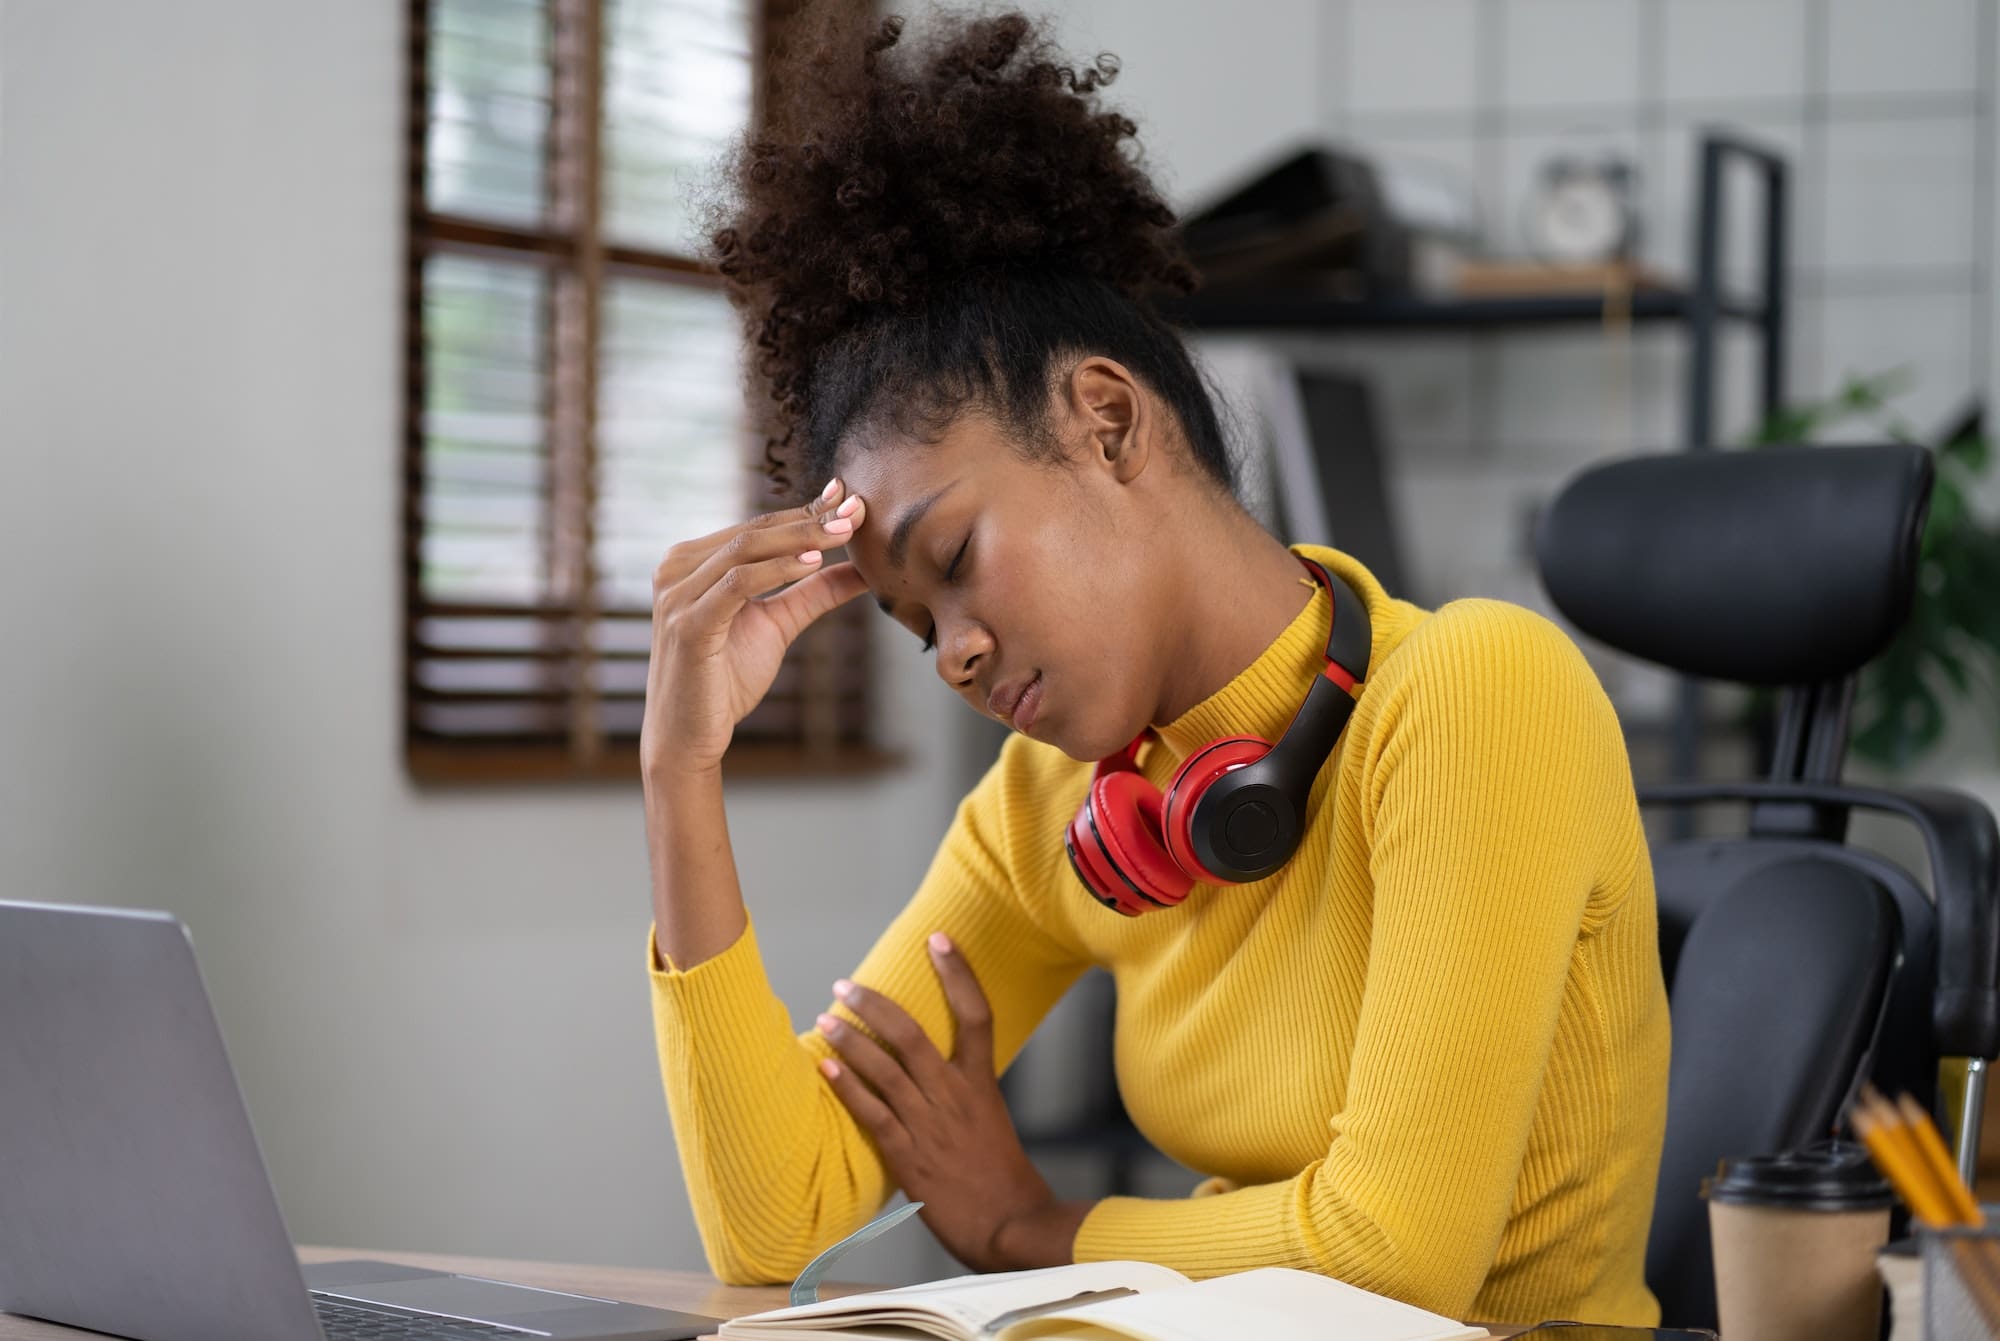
[1088,751]
[1045,732]
[1081,756]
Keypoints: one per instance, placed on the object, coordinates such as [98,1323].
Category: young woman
[1426,1054]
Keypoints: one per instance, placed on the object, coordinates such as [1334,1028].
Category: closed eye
[930,639]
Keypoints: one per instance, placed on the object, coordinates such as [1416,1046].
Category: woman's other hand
[942,1126]
[717,643]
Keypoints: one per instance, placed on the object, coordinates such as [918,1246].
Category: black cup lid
[1823,1176]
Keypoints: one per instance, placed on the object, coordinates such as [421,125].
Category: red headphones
[1236,808]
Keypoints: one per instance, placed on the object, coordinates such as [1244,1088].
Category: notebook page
[1270,1303]
[971,1300]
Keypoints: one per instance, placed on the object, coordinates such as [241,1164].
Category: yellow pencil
[1923,1176]
[1931,1143]
[1904,1167]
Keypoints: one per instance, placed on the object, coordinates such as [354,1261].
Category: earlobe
[1125,453]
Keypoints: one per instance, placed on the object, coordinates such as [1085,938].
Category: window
[573,392]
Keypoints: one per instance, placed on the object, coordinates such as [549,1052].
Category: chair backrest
[1795,965]
[1781,566]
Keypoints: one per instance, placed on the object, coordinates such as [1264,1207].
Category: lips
[1005,701]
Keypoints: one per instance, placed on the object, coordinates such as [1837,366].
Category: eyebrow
[899,539]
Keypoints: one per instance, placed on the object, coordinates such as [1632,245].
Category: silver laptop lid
[133,1196]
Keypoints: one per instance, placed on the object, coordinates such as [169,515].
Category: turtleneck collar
[1262,698]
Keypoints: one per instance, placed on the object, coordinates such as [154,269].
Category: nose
[961,643]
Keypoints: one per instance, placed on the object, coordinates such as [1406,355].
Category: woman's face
[1029,571]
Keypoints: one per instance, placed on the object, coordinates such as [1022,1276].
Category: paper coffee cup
[1795,1241]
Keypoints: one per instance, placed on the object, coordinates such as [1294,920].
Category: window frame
[836,732]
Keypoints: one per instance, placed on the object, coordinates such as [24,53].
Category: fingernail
[811,556]
[839,525]
[846,990]
[830,1069]
[940,942]
[847,509]
[828,1024]
[832,486]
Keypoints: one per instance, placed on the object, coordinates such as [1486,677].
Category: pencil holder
[1961,1283]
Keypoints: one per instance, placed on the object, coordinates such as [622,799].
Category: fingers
[736,587]
[868,1059]
[772,539]
[893,1025]
[758,560]
[974,1049]
[688,555]
[807,599]
[685,558]
[861,1101]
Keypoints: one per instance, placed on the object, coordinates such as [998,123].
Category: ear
[1107,400]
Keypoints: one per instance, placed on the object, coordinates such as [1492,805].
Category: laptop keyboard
[343,1321]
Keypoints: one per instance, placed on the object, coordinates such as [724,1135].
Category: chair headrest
[1771,566]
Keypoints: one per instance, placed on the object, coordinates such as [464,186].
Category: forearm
[773,1168]
[697,899]
[1375,1228]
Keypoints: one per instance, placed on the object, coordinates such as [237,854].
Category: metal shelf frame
[1703,307]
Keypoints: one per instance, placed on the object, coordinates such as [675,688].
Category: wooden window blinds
[574,398]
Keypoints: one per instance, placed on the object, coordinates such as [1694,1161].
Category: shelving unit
[1701,306]
[1271,309]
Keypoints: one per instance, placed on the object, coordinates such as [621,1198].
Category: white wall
[435,999]
[1886,111]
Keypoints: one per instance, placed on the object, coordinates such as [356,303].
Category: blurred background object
[575,402]
[214,310]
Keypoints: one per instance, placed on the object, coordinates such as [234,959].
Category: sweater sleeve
[777,1169]
[1497,772]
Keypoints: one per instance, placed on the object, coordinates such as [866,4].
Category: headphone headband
[1350,641]
[1314,728]
[1349,644]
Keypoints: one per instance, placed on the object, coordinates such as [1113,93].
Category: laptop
[134,1198]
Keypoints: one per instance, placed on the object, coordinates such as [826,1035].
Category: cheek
[1098,592]
[1088,633]
[1066,599]
[1032,596]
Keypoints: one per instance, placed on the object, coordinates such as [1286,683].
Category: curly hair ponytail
[920,229]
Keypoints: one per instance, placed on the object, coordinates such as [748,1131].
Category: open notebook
[1152,1303]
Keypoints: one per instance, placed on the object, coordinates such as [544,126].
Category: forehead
[889,467]
[907,484]
[901,506]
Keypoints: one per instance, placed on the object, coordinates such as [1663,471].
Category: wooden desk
[688,1291]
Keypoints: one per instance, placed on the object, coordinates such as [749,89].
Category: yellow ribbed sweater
[1428,1056]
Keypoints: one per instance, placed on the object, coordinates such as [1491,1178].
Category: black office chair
[1797,966]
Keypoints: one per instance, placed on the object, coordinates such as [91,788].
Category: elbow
[731,1272]
[1444,1291]
[732,1264]
[767,1252]
[766,1231]
[1430,1270]
[1443,1287]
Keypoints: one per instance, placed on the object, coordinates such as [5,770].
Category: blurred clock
[1583,210]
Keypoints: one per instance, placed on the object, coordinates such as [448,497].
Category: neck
[1244,589]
